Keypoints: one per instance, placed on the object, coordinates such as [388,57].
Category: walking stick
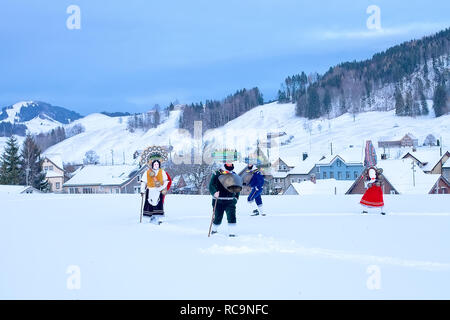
[142,207]
[214,211]
[212,219]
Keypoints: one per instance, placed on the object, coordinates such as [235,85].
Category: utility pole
[112,157]
[414,173]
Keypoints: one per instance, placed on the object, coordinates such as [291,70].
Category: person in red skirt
[373,197]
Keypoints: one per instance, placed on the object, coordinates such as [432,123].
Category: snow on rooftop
[304,167]
[428,155]
[56,158]
[400,175]
[13,189]
[102,175]
[322,187]
[446,164]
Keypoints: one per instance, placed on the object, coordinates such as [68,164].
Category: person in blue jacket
[256,183]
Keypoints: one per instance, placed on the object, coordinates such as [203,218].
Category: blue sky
[130,55]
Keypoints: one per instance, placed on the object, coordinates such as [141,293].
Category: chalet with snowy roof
[400,177]
[54,172]
[287,170]
[344,166]
[318,187]
[105,179]
[442,186]
[17,189]
[446,170]
[408,140]
[429,160]
[184,184]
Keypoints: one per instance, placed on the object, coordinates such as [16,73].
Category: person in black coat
[226,200]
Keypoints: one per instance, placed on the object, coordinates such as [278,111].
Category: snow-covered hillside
[299,251]
[346,132]
[104,134]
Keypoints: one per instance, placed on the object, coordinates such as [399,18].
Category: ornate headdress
[153,153]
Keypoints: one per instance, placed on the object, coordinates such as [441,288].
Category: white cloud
[384,32]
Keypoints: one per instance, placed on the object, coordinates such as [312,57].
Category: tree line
[144,121]
[214,113]
[417,71]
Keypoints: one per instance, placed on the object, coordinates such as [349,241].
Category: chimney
[313,178]
[305,155]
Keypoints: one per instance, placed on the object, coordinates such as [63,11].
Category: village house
[183,184]
[442,186]
[429,159]
[105,179]
[344,166]
[408,140]
[446,170]
[52,165]
[400,177]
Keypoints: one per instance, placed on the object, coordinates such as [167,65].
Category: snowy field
[311,247]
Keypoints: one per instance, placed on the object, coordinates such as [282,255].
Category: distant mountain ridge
[29,110]
[34,116]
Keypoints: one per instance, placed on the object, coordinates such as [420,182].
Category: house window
[338,163]
[58,185]
[347,175]
[339,175]
[392,192]
[50,168]
[332,175]
[45,168]
[299,180]
[355,175]
[88,190]
[443,190]
[324,175]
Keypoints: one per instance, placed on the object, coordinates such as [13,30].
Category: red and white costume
[373,197]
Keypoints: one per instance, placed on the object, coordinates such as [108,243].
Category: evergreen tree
[327,102]
[313,107]
[423,100]
[399,103]
[31,164]
[10,167]
[409,104]
[440,100]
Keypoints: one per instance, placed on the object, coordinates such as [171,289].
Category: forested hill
[215,114]
[406,77]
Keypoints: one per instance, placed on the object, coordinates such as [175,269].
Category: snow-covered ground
[307,247]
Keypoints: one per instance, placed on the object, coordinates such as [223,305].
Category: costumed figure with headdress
[255,179]
[154,183]
[225,186]
[373,181]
